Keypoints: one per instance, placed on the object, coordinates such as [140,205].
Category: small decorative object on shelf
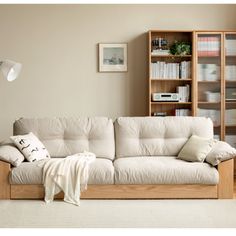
[160,47]
[180,48]
[162,114]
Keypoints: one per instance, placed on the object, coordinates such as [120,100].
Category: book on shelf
[185,69]
[160,114]
[160,52]
[213,114]
[184,93]
[230,117]
[208,72]
[230,72]
[230,47]
[164,70]
[208,46]
[182,112]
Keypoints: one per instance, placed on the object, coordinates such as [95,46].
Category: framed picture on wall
[113,57]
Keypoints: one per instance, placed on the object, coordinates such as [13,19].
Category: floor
[118,214]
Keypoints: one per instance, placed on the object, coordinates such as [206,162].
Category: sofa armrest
[226,181]
[4,181]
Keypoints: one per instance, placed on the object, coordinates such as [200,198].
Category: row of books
[164,70]
[208,72]
[230,72]
[182,112]
[230,47]
[208,46]
[211,113]
[184,93]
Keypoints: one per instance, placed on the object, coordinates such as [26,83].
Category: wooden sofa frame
[223,190]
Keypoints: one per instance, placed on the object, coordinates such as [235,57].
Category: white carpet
[119,213]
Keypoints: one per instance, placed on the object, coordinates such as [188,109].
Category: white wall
[57,45]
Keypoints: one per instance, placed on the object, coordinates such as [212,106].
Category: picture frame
[113,57]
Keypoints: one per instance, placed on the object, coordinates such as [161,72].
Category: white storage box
[230,117]
[231,139]
[212,96]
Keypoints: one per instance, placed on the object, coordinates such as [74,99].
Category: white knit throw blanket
[69,175]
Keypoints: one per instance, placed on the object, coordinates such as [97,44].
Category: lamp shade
[10,69]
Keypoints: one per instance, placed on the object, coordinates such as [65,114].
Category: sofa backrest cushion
[157,136]
[67,136]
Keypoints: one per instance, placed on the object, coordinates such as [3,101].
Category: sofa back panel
[67,136]
[157,136]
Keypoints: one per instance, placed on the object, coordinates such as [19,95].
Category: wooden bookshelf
[169,85]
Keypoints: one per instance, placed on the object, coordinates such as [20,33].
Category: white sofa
[136,158]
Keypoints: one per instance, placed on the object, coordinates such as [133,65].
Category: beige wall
[57,45]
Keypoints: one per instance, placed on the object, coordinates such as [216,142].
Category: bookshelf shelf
[176,56]
[230,81]
[205,102]
[171,80]
[208,56]
[171,103]
[210,82]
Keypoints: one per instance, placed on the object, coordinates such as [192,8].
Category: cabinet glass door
[209,79]
[230,88]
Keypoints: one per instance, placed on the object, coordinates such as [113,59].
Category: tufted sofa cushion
[101,171]
[67,136]
[163,170]
[157,136]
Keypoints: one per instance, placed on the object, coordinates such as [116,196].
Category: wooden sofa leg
[5,188]
[226,182]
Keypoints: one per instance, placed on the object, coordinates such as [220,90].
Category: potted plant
[180,48]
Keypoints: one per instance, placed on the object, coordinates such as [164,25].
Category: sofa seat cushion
[163,170]
[101,172]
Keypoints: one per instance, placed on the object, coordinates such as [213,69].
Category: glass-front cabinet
[230,87]
[216,82]
[209,79]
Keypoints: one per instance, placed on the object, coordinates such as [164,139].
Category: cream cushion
[158,136]
[196,149]
[9,153]
[66,136]
[31,147]
[163,170]
[221,151]
[101,171]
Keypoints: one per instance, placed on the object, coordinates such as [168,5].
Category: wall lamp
[10,69]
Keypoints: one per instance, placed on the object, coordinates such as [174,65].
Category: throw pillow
[10,154]
[222,151]
[31,147]
[196,149]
